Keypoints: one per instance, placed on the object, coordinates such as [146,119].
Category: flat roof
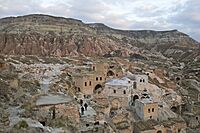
[119,82]
[53,100]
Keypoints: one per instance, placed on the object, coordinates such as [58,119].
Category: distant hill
[45,35]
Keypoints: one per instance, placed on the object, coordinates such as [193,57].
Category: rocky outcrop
[45,35]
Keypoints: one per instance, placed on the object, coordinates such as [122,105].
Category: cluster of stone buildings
[90,81]
[117,100]
[123,91]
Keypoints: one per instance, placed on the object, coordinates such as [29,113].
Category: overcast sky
[183,15]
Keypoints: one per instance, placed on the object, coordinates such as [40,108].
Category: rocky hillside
[45,35]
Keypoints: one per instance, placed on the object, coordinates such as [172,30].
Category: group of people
[84,106]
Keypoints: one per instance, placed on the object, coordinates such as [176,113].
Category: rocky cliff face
[45,35]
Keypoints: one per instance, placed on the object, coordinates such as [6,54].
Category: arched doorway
[110,73]
[174,109]
[133,98]
[159,131]
[97,88]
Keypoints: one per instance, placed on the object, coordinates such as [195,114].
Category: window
[140,80]
[114,91]
[124,92]
[96,123]
[134,85]
[90,83]
[93,67]
[150,117]
[149,110]
[97,79]
[87,125]
[85,83]
[116,75]
[100,78]
[143,80]
[152,109]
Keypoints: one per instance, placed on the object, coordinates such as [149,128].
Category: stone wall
[45,113]
[87,83]
[146,110]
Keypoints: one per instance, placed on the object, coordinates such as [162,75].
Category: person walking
[82,110]
[85,105]
[81,102]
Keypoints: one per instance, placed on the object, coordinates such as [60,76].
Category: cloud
[126,14]
[189,19]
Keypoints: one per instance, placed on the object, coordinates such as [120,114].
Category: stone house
[140,81]
[125,89]
[146,108]
[114,71]
[56,106]
[109,70]
[99,67]
[89,83]
[119,88]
